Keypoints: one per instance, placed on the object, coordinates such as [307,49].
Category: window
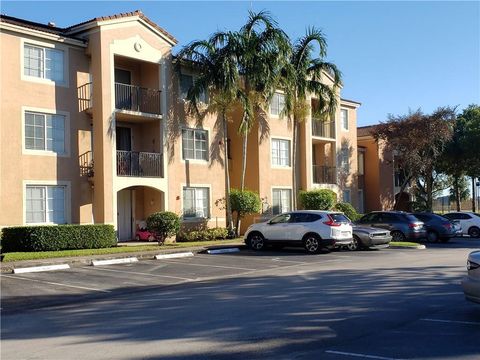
[344,160]
[45,132]
[361,163]
[346,198]
[186,82]
[196,202]
[344,118]
[277,104]
[195,144]
[45,204]
[281,219]
[45,63]
[305,217]
[280,152]
[282,201]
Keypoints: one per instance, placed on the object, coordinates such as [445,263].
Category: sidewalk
[7,267]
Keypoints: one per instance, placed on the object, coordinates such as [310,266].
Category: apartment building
[94,129]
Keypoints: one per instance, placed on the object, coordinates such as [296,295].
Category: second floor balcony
[139,164]
[324,174]
[137,99]
[323,129]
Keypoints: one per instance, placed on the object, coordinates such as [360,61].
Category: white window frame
[280,140]
[66,128]
[201,161]
[44,45]
[209,199]
[203,98]
[349,192]
[278,94]
[46,183]
[344,120]
[344,160]
[282,189]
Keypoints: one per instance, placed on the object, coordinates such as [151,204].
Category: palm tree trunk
[457,192]
[244,160]
[473,194]
[294,165]
[227,174]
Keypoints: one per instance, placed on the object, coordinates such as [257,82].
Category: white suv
[312,229]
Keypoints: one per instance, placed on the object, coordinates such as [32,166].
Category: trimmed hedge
[164,223]
[322,199]
[203,235]
[348,210]
[57,237]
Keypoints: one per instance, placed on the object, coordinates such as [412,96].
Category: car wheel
[398,236]
[256,241]
[474,232]
[137,238]
[355,244]
[311,242]
[432,236]
[151,238]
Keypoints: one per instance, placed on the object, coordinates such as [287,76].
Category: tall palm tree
[301,76]
[261,50]
[218,74]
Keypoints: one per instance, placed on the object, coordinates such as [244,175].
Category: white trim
[68,198]
[66,138]
[281,187]
[66,63]
[195,161]
[195,219]
[344,129]
[276,116]
[41,34]
[281,167]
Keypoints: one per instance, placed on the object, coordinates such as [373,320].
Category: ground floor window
[45,204]
[281,201]
[196,202]
[346,196]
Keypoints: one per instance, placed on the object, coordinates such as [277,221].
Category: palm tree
[302,76]
[218,74]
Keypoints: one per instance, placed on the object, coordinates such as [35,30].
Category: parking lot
[388,304]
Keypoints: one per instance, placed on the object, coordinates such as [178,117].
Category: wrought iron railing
[139,164]
[324,174]
[136,98]
[85,93]
[86,164]
[323,129]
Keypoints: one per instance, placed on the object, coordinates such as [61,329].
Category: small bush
[165,224]
[57,237]
[348,210]
[203,235]
[322,199]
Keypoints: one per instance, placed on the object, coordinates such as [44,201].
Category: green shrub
[348,210]
[203,235]
[322,199]
[165,224]
[57,237]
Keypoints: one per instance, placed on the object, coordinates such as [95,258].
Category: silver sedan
[367,237]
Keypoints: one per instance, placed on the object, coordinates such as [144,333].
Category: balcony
[324,174]
[323,129]
[138,101]
[85,97]
[139,164]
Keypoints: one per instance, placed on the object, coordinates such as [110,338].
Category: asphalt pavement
[387,304]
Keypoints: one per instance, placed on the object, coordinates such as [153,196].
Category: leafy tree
[218,75]
[322,199]
[458,190]
[348,210]
[164,224]
[301,76]
[418,141]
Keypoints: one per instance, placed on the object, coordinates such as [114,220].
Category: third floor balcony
[137,101]
[323,129]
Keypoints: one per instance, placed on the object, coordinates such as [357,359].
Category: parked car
[402,225]
[367,237]
[471,283]
[314,230]
[469,221]
[438,227]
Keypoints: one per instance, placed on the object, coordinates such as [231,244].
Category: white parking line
[452,321]
[138,273]
[205,265]
[365,356]
[54,283]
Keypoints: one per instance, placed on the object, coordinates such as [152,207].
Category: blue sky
[394,56]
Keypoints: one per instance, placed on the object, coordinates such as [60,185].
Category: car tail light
[331,222]
[447,226]
[471,265]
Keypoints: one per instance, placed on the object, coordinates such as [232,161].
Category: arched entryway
[134,205]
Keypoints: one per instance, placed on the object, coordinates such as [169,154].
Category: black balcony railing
[136,98]
[139,164]
[85,93]
[324,174]
[323,129]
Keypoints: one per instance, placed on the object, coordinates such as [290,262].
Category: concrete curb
[416,247]
[87,260]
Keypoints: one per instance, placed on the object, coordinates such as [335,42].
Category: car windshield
[339,218]
[411,217]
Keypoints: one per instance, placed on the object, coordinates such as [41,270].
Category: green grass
[19,256]
[403,243]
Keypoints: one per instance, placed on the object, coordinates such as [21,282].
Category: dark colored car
[438,227]
[402,225]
